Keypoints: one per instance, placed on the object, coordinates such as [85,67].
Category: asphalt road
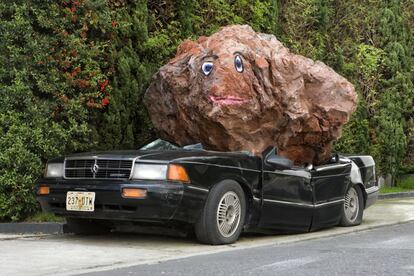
[384,251]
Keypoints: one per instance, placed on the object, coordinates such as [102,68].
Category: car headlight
[54,170]
[172,172]
[150,171]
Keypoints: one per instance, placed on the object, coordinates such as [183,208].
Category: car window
[159,145]
[197,146]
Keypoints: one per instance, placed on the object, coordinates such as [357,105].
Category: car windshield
[159,145]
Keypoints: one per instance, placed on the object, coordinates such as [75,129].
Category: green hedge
[73,73]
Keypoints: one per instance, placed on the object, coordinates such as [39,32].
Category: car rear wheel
[85,226]
[353,207]
[222,218]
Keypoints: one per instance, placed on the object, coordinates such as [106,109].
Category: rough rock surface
[272,97]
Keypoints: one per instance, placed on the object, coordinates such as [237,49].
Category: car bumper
[372,196]
[164,201]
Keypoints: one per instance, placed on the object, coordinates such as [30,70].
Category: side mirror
[335,158]
[280,162]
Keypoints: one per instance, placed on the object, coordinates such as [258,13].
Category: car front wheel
[222,218]
[353,207]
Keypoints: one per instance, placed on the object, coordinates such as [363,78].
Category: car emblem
[95,169]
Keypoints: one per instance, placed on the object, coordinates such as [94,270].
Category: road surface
[383,251]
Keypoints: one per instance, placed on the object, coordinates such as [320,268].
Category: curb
[31,228]
[396,195]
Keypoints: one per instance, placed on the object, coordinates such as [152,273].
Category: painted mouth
[227,100]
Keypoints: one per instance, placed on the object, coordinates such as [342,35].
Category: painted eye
[207,67]
[238,63]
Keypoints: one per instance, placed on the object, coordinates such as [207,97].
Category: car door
[287,203]
[330,183]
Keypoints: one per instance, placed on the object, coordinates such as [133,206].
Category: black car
[219,194]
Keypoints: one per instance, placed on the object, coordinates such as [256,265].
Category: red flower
[114,23]
[105,101]
[75,71]
[103,85]
[82,83]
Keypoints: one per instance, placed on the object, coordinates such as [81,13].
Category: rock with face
[242,90]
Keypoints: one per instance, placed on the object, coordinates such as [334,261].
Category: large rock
[272,97]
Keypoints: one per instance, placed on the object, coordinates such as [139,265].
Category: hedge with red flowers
[58,64]
[73,73]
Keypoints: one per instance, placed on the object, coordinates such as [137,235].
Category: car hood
[154,156]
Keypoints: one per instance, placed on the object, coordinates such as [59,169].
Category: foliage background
[73,73]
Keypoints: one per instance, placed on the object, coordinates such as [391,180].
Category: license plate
[80,201]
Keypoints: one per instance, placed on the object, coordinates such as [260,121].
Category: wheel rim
[228,214]
[351,205]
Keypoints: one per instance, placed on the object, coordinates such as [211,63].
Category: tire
[222,218]
[353,207]
[85,227]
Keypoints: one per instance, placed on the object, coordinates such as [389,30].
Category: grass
[388,190]
[403,185]
[44,217]
[406,183]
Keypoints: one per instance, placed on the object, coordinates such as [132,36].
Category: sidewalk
[68,254]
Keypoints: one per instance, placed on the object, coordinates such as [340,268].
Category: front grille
[80,168]
[104,168]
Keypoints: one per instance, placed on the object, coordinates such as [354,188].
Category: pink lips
[227,100]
